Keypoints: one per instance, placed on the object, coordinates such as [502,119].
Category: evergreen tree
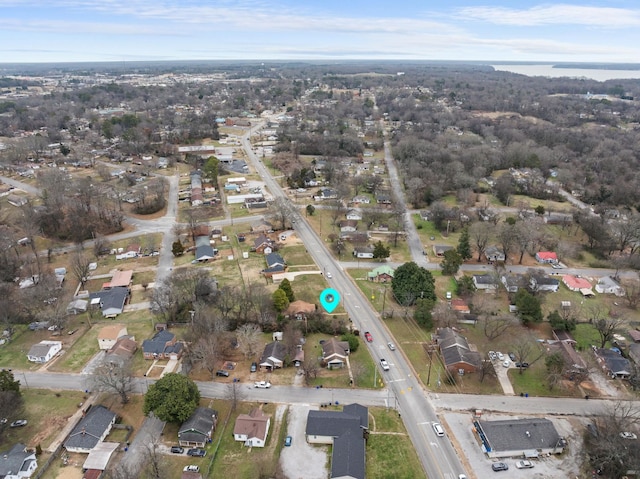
[529,308]
[411,282]
[464,246]
[451,262]
[422,314]
[285,286]
[172,398]
[280,301]
[380,251]
[177,249]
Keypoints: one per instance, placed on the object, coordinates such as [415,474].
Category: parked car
[522,365]
[438,429]
[512,357]
[524,464]
[262,384]
[368,337]
[223,373]
[191,468]
[392,346]
[499,466]
[385,364]
[254,367]
[500,356]
[506,363]
[18,423]
[177,449]
[196,452]
[628,435]
[492,355]
[287,441]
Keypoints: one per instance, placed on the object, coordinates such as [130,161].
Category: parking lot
[301,460]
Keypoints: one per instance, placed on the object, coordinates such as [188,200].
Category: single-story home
[459,305]
[456,353]
[18,462]
[518,437]
[613,363]
[122,351]
[546,257]
[197,430]
[485,282]
[513,282]
[348,226]
[334,353]
[578,284]
[346,431]
[108,335]
[262,244]
[273,356]
[91,430]
[163,345]
[252,428]
[354,214]
[300,309]
[110,301]
[440,249]
[608,285]
[363,252]
[44,351]
[77,306]
[204,250]
[543,282]
[381,274]
[494,254]
[120,279]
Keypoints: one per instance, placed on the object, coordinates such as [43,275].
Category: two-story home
[109,335]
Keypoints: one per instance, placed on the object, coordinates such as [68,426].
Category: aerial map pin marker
[329,299]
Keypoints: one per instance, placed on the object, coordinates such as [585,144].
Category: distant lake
[549,71]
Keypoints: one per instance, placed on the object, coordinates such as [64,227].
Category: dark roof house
[197,430]
[162,345]
[91,430]
[455,351]
[273,356]
[110,301]
[17,462]
[204,250]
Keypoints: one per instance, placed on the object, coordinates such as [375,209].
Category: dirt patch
[70,472]
[48,428]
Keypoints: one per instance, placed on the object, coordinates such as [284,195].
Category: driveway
[301,460]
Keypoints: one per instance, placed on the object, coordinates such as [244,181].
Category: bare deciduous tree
[249,339]
[113,378]
[80,267]
[234,394]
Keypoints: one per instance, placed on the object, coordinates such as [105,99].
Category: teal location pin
[329,299]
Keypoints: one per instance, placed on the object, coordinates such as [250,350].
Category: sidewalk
[71,423]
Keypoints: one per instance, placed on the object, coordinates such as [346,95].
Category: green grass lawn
[76,357]
[13,354]
[585,335]
[390,453]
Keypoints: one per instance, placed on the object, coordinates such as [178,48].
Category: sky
[154,30]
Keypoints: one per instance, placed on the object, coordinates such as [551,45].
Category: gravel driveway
[301,460]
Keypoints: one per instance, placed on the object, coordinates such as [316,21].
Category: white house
[44,351]
[252,429]
[354,214]
[17,462]
[109,335]
[608,285]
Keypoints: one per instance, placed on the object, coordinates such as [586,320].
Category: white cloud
[561,14]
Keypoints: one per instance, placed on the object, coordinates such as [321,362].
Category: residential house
[361,199]
[354,215]
[262,244]
[252,429]
[456,353]
[577,284]
[109,335]
[197,430]
[608,285]
[562,219]
[485,282]
[346,431]
[439,249]
[381,274]
[383,198]
[163,345]
[120,279]
[261,226]
[273,356]
[494,254]
[327,194]
[110,301]
[275,264]
[18,462]
[613,363]
[363,252]
[196,188]
[204,250]
[122,351]
[44,351]
[91,430]
[635,335]
[543,282]
[513,282]
[634,353]
[300,309]
[565,345]
[348,226]
[16,200]
[334,353]
[459,305]
[546,257]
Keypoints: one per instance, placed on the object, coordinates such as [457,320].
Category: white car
[438,429]
[506,363]
[524,464]
[492,355]
[262,384]
[191,468]
[628,435]
[329,275]
[500,356]
[384,364]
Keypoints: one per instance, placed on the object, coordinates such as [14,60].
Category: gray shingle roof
[90,429]
[158,343]
[14,459]
[111,298]
[199,426]
[520,434]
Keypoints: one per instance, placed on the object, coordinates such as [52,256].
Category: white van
[438,429]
